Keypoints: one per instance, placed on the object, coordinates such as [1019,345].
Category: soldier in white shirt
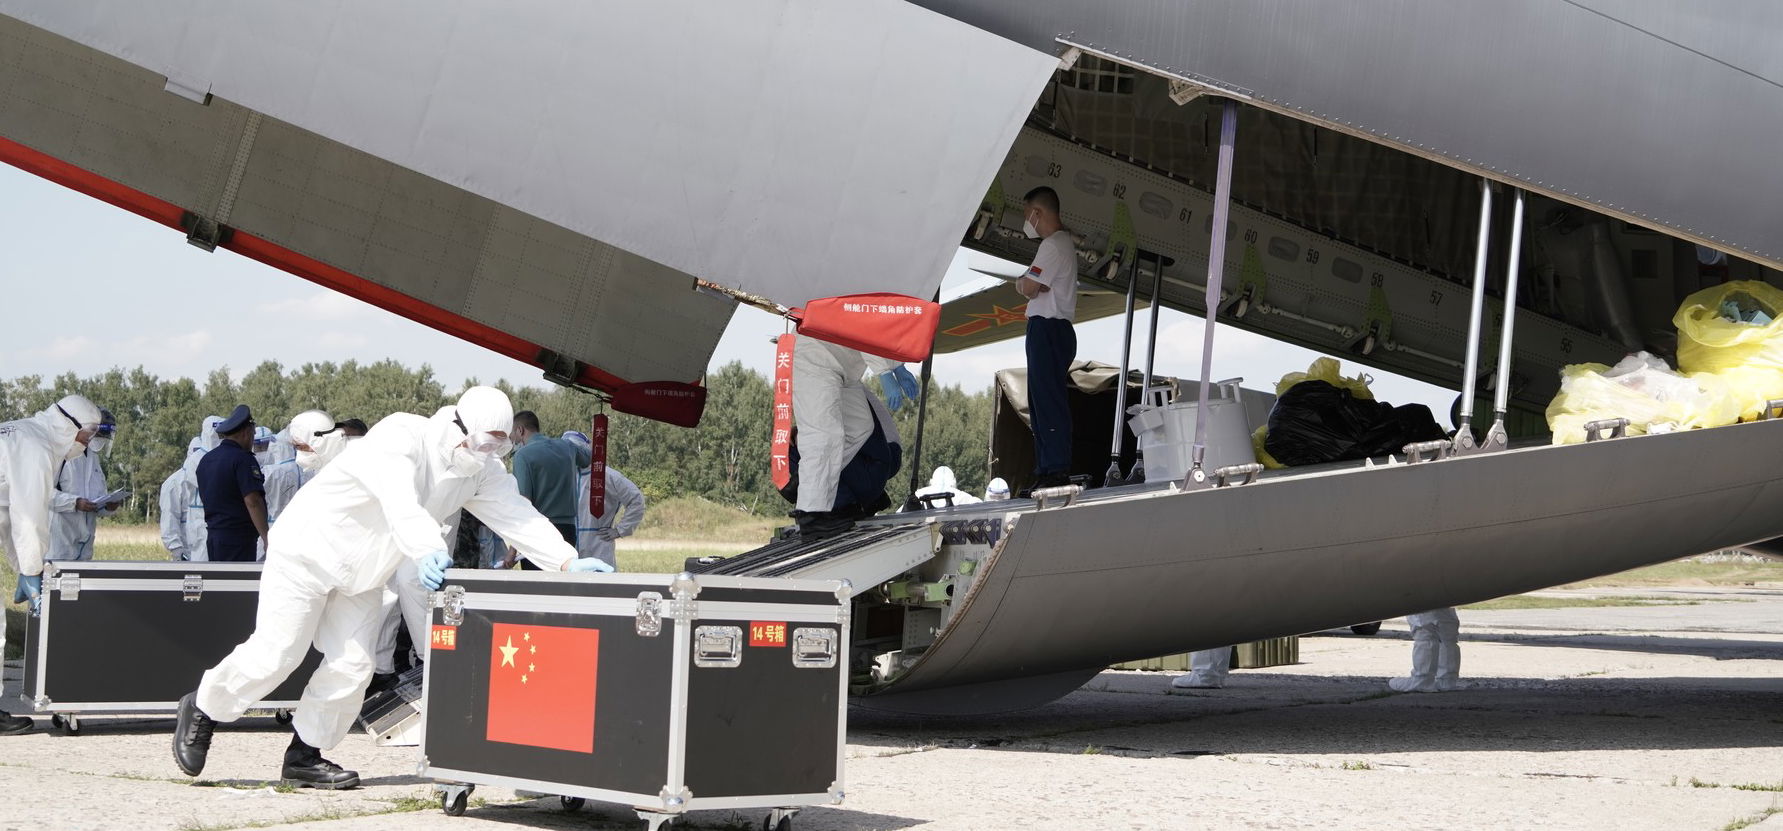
[1050,285]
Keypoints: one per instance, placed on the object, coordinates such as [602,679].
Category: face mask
[74,452]
[309,460]
[1029,230]
[99,445]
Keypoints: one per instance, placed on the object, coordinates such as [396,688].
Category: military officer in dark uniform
[234,491]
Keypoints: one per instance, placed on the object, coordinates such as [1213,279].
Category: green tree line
[724,460]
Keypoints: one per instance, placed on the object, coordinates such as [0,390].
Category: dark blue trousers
[1052,344]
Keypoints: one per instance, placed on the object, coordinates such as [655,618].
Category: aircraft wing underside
[545,179]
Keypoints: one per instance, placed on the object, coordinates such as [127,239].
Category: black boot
[191,736]
[818,525]
[305,768]
[11,725]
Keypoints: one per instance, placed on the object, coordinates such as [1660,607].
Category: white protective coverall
[71,531]
[1208,669]
[174,500]
[1436,653]
[943,481]
[193,531]
[381,504]
[831,411]
[31,449]
[595,536]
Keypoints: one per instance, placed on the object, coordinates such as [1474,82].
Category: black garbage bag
[1316,422]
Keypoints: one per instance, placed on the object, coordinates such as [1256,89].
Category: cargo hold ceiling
[1659,114]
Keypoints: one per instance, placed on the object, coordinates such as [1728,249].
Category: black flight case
[665,693]
[118,637]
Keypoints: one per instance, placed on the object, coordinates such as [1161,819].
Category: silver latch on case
[718,646]
[649,614]
[451,603]
[813,648]
[69,586]
[192,588]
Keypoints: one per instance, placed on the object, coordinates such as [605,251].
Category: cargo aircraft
[1473,193]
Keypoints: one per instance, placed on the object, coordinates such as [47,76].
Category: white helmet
[997,489]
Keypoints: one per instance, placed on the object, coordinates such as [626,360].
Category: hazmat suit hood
[943,478]
[207,433]
[64,420]
[316,429]
[576,438]
[479,410]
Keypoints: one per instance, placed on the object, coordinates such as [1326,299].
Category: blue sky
[89,286]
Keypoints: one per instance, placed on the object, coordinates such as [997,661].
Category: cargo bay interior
[1335,243]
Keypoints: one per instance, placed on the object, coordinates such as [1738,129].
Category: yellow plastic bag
[1263,456]
[1747,356]
[1325,369]
[1642,389]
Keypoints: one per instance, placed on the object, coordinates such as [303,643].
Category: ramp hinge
[192,588]
[1617,427]
[69,585]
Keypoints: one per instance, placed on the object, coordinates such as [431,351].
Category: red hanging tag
[891,326]
[597,469]
[780,449]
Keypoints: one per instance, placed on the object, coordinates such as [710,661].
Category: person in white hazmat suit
[173,501]
[834,420]
[31,450]
[192,533]
[80,484]
[622,511]
[382,502]
[944,482]
[1436,653]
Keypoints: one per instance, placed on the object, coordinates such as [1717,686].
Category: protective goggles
[484,442]
[105,431]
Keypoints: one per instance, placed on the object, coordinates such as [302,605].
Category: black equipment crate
[134,637]
[667,693]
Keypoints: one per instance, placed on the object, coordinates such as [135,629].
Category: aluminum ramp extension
[865,556]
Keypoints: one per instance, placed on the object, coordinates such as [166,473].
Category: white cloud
[63,348]
[319,306]
[341,340]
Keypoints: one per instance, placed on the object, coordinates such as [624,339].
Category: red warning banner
[780,448]
[597,470]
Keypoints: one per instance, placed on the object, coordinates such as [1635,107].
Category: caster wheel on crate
[1366,628]
[282,716]
[571,803]
[453,802]
[71,725]
[56,720]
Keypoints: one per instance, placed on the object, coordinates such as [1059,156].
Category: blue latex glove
[899,385]
[30,590]
[588,564]
[433,569]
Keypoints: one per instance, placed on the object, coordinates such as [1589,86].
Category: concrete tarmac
[1651,717]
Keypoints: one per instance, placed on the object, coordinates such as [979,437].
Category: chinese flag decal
[780,449]
[597,470]
[541,686]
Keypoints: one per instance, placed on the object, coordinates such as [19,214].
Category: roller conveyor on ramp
[865,556]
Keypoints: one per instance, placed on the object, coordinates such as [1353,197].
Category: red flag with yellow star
[541,686]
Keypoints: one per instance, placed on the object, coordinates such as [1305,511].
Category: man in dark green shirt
[546,469]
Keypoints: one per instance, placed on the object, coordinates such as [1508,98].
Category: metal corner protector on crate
[732,691]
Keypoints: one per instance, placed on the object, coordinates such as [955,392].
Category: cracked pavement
[1651,717]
